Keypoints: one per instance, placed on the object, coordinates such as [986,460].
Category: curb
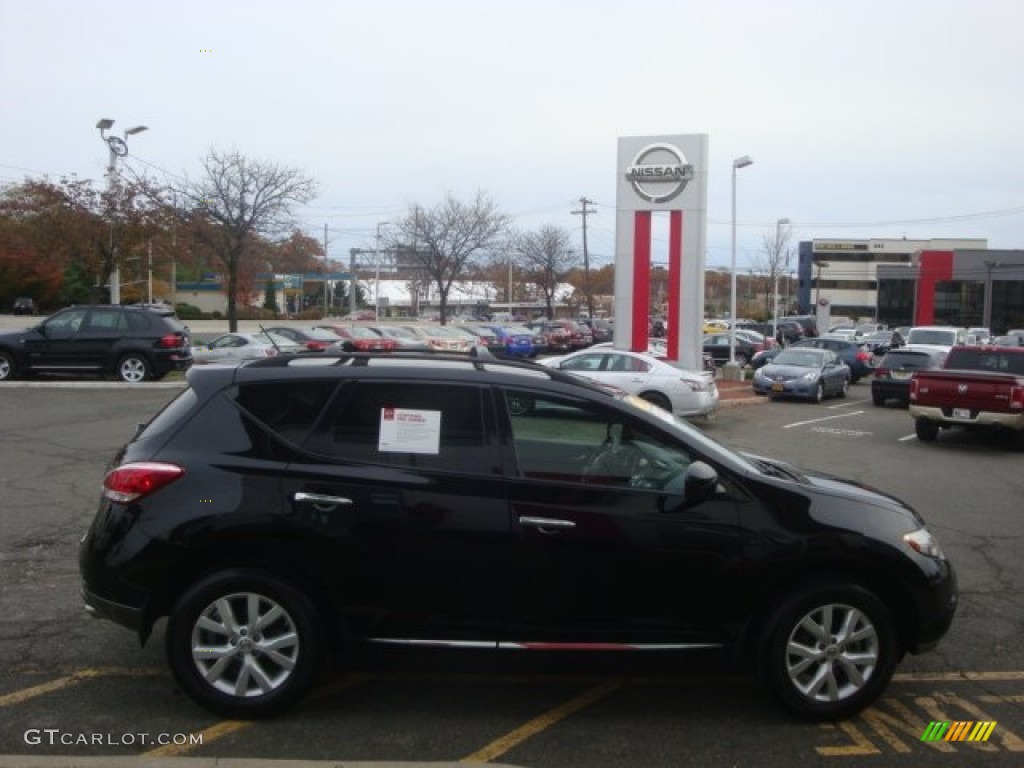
[144,761]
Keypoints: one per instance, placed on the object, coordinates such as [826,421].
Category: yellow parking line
[16,697]
[1008,676]
[538,724]
[208,735]
[228,727]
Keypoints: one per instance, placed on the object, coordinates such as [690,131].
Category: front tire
[819,392]
[830,651]
[133,369]
[844,388]
[244,644]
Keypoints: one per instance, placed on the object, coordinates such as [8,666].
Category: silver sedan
[674,389]
[236,347]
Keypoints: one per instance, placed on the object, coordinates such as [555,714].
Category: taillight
[270,351]
[863,355]
[881,373]
[170,341]
[131,482]
[913,388]
[1017,398]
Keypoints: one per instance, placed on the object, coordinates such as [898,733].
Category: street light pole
[376,262]
[739,162]
[775,275]
[118,148]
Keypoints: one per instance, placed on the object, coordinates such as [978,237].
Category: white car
[236,347]
[674,389]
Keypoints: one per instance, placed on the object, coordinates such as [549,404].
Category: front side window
[65,323]
[575,441]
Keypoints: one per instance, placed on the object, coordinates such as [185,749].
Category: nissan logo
[659,172]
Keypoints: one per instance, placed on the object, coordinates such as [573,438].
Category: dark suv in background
[277,510]
[132,342]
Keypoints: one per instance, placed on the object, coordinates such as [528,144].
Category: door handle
[547,525]
[320,500]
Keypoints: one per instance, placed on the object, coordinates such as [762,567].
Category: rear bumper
[943,415]
[131,616]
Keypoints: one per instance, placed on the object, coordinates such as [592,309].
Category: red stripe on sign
[675,268]
[641,279]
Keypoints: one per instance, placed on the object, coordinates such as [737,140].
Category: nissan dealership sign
[659,172]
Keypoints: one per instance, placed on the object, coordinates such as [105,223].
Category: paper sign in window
[407,430]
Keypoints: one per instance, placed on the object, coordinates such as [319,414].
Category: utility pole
[327,270]
[584,202]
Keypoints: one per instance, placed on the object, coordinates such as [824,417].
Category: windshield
[801,358]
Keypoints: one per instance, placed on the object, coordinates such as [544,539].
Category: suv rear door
[402,481]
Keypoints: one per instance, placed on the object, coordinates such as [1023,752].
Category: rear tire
[8,368]
[133,369]
[244,644]
[830,651]
[925,430]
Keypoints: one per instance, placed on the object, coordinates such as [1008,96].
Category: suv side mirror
[699,483]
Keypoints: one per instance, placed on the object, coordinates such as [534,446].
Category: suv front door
[610,552]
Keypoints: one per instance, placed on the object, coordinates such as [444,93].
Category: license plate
[901,374]
[961,413]
[778,386]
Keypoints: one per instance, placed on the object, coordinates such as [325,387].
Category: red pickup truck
[978,387]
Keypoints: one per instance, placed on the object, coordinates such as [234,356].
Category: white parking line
[823,418]
[904,439]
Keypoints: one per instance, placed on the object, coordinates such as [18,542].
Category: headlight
[810,376]
[924,542]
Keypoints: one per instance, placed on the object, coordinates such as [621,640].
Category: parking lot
[73,686]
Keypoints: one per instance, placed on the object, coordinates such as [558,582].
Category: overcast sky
[864,118]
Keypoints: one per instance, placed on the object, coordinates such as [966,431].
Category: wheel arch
[893,594]
[248,556]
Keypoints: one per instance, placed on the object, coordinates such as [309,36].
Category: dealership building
[914,282]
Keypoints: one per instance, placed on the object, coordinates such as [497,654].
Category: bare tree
[546,258]
[775,260]
[445,238]
[238,201]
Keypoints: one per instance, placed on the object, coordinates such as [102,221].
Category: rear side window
[420,425]
[289,409]
[105,320]
[137,321]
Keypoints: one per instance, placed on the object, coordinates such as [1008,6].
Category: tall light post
[775,277]
[739,162]
[118,148]
[376,263]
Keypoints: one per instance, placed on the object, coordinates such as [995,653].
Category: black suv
[276,509]
[134,343]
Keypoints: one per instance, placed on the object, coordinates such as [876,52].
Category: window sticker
[407,430]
